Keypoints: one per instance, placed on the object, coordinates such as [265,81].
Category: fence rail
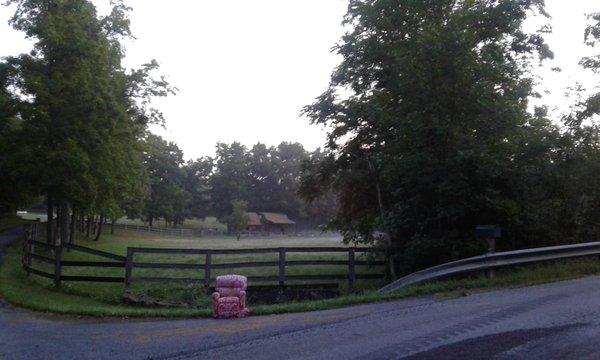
[53,255]
[158,230]
[281,264]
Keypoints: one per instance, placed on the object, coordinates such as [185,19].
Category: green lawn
[97,299]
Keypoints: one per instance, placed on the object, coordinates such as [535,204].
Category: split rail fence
[36,252]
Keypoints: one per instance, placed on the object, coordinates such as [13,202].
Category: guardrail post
[351,269]
[281,267]
[128,267]
[57,266]
[207,274]
[490,274]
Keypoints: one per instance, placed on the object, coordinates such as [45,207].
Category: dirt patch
[267,295]
[196,296]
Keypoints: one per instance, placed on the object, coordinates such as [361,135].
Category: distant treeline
[265,178]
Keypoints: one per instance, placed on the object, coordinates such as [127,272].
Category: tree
[82,115]
[238,219]
[427,110]
[197,186]
[13,193]
[230,179]
[164,162]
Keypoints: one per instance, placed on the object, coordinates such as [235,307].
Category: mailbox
[488,231]
[491,233]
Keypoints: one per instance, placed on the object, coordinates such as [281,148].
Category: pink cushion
[228,307]
[232,281]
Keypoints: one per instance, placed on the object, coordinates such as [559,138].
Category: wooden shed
[270,222]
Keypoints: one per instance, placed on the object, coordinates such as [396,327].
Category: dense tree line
[431,133]
[262,178]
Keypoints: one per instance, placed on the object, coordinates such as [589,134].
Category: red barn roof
[276,218]
[253,219]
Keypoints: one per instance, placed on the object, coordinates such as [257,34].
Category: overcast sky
[245,69]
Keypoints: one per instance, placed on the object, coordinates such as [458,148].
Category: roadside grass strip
[104,300]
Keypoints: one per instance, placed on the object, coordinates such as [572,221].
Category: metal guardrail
[493,261]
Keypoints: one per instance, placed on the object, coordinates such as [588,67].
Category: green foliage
[430,133]
[237,221]
[163,161]
[82,115]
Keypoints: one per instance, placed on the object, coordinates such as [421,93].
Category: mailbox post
[491,233]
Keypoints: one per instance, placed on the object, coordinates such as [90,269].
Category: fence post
[27,249]
[207,274]
[490,274]
[281,266]
[351,269]
[57,265]
[128,267]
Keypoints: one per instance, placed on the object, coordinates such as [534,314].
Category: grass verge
[10,222]
[40,294]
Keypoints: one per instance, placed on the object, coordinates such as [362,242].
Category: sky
[245,69]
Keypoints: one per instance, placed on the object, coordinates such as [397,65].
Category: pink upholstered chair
[229,298]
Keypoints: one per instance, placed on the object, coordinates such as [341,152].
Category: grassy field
[195,223]
[104,300]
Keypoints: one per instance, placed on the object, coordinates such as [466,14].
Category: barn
[270,222]
[254,222]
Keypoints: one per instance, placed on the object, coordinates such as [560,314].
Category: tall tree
[230,179]
[82,114]
[426,110]
[197,187]
[164,162]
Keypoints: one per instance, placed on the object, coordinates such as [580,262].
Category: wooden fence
[158,230]
[53,255]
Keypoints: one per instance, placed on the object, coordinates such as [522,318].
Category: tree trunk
[50,214]
[390,259]
[94,224]
[150,219]
[64,222]
[99,229]
[73,224]
[112,226]
[88,226]
[81,222]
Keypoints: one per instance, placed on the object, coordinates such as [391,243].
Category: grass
[11,221]
[104,300]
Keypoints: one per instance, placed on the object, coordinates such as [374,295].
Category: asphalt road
[559,320]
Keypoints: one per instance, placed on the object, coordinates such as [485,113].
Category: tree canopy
[81,114]
[431,133]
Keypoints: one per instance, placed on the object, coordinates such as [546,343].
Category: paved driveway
[559,320]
